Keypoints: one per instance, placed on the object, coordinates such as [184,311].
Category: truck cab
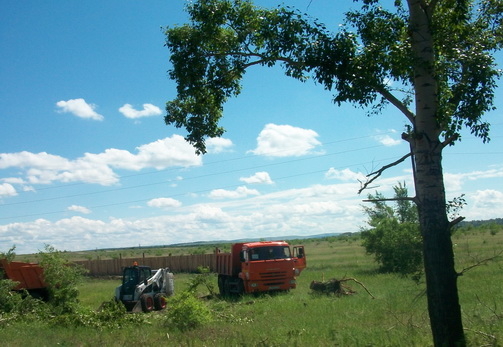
[259,267]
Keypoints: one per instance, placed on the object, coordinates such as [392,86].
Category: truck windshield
[269,252]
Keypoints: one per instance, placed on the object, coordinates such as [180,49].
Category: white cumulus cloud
[239,192]
[261,177]
[285,140]
[387,140]
[165,203]
[344,175]
[217,145]
[148,110]
[80,108]
[6,189]
[80,209]
[483,204]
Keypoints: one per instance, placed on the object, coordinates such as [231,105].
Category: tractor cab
[131,278]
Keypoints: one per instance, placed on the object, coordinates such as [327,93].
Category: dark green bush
[186,311]
[393,235]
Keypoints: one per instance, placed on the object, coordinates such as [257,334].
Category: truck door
[299,258]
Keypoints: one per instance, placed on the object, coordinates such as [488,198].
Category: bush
[186,312]
[9,300]
[397,247]
[393,236]
[62,278]
[205,278]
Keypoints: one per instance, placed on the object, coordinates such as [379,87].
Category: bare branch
[455,221]
[390,199]
[378,173]
[253,63]
[479,263]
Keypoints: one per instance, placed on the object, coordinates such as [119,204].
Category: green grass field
[396,317]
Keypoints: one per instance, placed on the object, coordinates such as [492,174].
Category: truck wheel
[159,302]
[147,303]
[227,287]
[240,287]
[221,285]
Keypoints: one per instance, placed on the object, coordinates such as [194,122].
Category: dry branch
[479,263]
[378,173]
[337,287]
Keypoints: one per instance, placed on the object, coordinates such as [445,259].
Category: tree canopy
[368,62]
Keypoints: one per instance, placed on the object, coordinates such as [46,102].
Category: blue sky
[86,161]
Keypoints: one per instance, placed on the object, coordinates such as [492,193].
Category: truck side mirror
[242,256]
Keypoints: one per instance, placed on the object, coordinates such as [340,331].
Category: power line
[194,177]
[180,194]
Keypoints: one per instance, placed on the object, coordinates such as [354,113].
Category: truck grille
[273,278]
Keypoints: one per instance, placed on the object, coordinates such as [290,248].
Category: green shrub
[186,312]
[393,236]
[9,300]
[62,278]
[205,278]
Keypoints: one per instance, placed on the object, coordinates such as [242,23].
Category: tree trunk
[441,277]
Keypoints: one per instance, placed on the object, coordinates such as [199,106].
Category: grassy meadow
[397,316]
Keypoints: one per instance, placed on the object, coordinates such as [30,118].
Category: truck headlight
[254,285]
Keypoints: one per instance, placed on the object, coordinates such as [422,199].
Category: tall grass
[396,317]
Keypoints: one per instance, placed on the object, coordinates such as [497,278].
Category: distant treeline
[477,223]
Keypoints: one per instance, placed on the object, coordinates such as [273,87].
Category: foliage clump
[393,235]
[187,312]
[62,278]
[204,277]
[62,307]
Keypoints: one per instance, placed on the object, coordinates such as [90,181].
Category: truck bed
[29,275]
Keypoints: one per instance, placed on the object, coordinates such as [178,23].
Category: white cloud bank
[148,110]
[303,211]
[239,213]
[79,108]
[285,141]
[45,168]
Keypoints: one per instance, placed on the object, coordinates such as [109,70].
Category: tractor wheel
[147,303]
[159,301]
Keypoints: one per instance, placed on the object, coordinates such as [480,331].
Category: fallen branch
[336,287]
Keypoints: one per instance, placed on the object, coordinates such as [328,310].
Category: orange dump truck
[263,266]
[30,277]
